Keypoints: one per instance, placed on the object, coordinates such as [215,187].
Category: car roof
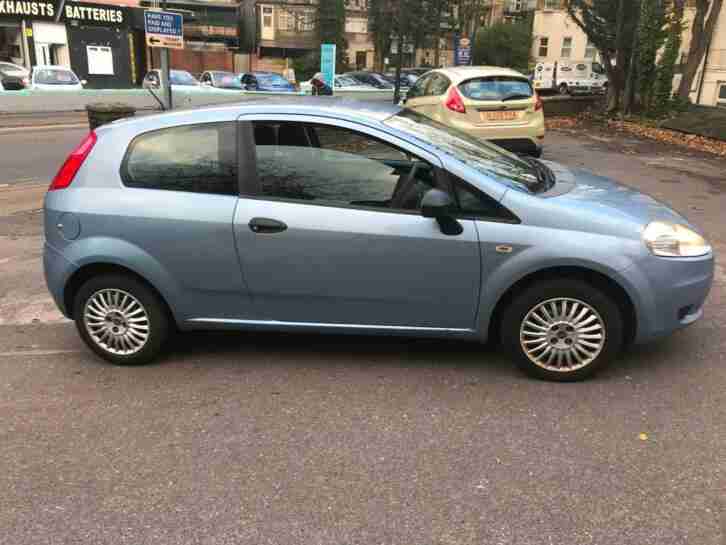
[52,67]
[367,113]
[457,74]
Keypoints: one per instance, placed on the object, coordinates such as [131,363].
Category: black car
[373,79]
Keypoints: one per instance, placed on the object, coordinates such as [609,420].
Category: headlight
[673,240]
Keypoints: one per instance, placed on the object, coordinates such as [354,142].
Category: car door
[326,233]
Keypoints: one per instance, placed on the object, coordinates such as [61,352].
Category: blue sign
[164,29]
[327,63]
[462,51]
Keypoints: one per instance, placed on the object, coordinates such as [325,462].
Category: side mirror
[438,204]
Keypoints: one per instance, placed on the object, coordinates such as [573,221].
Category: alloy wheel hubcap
[116,321]
[562,334]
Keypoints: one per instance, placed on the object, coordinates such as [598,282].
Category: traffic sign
[164,29]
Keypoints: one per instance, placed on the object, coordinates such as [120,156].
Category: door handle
[266,225]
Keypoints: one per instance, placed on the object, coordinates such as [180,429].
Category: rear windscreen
[496,88]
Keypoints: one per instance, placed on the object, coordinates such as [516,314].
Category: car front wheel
[563,330]
[121,319]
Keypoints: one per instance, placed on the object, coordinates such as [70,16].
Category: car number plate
[499,116]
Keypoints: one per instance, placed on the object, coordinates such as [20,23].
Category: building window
[543,43]
[356,25]
[721,96]
[566,48]
[267,17]
[306,21]
[286,21]
[590,50]
[552,4]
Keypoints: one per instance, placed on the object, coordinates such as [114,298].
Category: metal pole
[165,69]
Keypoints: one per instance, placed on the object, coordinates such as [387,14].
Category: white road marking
[31,353]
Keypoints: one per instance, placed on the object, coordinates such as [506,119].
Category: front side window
[488,159]
[543,45]
[496,88]
[439,85]
[474,203]
[197,158]
[322,164]
[180,77]
[419,89]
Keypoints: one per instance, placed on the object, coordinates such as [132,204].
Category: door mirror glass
[436,204]
[439,205]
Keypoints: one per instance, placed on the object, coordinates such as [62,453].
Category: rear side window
[439,85]
[496,88]
[197,158]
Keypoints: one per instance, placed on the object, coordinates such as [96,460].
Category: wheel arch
[594,278]
[90,270]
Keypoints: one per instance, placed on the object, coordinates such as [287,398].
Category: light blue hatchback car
[328,215]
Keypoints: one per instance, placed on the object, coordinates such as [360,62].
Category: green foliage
[651,36]
[504,44]
[663,103]
[331,17]
[306,66]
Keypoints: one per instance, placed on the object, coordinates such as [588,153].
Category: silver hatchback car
[334,216]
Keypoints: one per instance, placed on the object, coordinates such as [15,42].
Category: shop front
[91,39]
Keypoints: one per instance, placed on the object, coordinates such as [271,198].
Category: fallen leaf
[643,436]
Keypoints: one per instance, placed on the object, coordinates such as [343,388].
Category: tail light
[454,101]
[538,104]
[68,171]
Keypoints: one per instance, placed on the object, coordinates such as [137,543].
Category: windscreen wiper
[545,176]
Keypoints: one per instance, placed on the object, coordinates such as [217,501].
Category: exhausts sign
[71,11]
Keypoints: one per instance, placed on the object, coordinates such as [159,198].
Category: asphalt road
[32,155]
[282,439]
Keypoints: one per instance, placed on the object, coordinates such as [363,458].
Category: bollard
[101,113]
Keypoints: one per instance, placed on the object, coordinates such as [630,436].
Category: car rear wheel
[121,319]
[563,330]
[563,90]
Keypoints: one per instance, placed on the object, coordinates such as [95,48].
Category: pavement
[327,440]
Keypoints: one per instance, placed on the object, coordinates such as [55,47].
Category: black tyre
[562,330]
[562,89]
[121,319]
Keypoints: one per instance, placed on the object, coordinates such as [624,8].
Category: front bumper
[672,292]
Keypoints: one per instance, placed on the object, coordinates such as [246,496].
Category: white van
[570,77]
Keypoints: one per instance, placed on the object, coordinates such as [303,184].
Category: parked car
[55,78]
[408,79]
[11,69]
[221,80]
[490,103]
[358,218]
[373,79]
[266,81]
[10,82]
[342,83]
[177,78]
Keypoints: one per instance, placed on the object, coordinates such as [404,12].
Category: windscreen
[53,76]
[272,79]
[482,156]
[180,77]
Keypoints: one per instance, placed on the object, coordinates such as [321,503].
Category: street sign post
[327,64]
[164,29]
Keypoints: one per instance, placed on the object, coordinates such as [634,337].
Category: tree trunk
[700,39]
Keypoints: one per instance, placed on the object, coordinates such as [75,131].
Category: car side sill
[277,324]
